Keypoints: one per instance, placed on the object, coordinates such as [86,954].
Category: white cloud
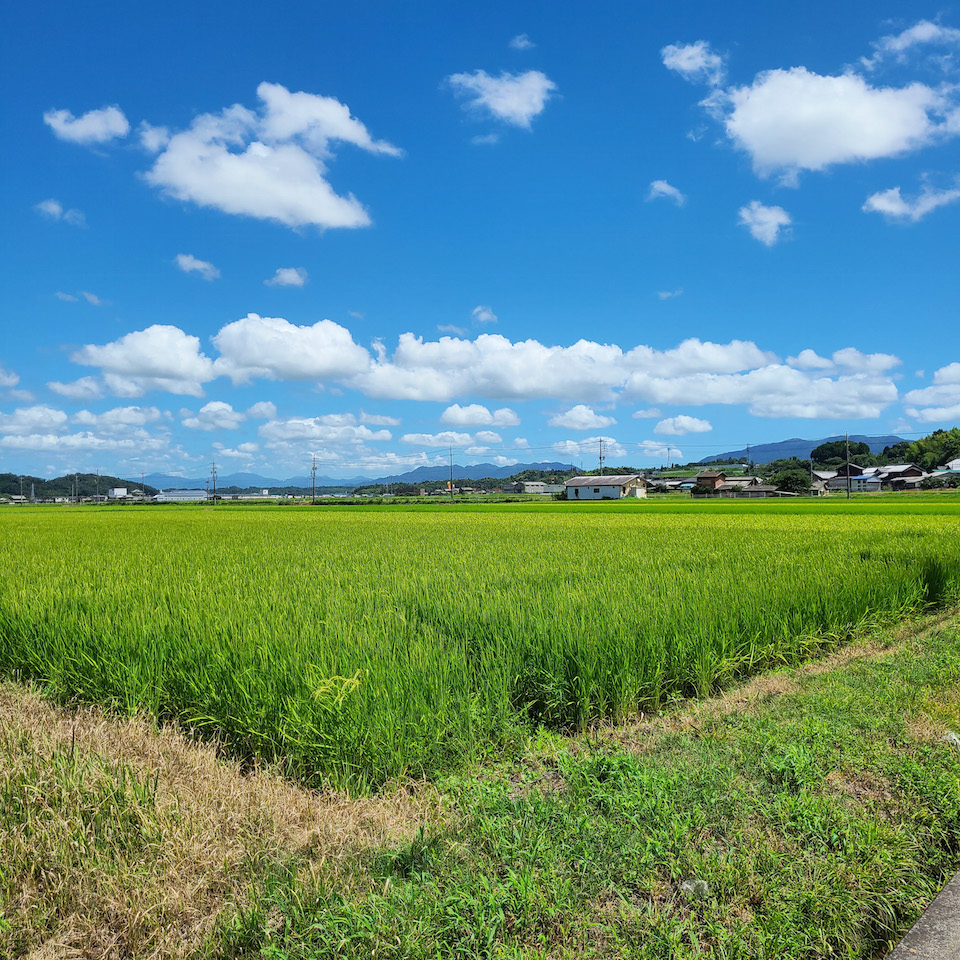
[477,415]
[446,438]
[188,263]
[483,314]
[492,366]
[590,448]
[54,210]
[86,388]
[215,415]
[119,420]
[654,448]
[379,420]
[243,451]
[153,139]
[695,62]
[487,436]
[521,42]
[161,357]
[27,420]
[895,207]
[773,390]
[793,120]
[95,126]
[873,363]
[450,328]
[660,188]
[680,425]
[269,164]
[810,360]
[288,277]
[485,139]
[581,417]
[669,294]
[940,402]
[91,298]
[65,297]
[513,98]
[274,348]
[8,378]
[764,223]
[315,429]
[922,32]
[650,414]
[263,410]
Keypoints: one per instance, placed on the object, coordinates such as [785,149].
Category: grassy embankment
[815,811]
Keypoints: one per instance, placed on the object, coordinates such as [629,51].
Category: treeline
[72,485]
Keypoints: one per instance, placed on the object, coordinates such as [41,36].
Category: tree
[792,481]
[838,449]
[935,450]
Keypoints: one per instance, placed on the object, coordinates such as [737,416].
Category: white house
[117,493]
[606,488]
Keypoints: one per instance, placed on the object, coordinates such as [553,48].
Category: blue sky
[369,232]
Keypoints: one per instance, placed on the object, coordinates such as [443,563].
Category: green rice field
[353,645]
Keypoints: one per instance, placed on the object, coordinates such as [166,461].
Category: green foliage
[352,646]
[815,823]
[792,481]
[937,449]
[834,449]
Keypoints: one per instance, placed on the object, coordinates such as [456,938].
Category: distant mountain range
[475,471]
[765,452]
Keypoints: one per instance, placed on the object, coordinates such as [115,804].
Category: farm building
[537,486]
[180,496]
[606,488]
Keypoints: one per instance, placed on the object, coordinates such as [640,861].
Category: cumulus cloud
[95,126]
[521,42]
[663,451]
[86,388]
[764,223]
[316,429]
[270,163]
[660,188]
[8,378]
[263,410]
[446,438]
[810,360]
[54,210]
[924,32]
[288,277]
[276,349]
[153,139]
[514,98]
[581,417]
[477,415]
[379,420]
[483,314]
[188,263]
[794,120]
[590,448]
[939,403]
[682,424]
[29,420]
[215,415]
[119,420]
[695,62]
[161,357]
[893,206]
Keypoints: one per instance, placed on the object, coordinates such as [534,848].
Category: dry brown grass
[216,825]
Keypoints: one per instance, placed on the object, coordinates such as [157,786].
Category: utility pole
[846,439]
[451,474]
[749,462]
[143,493]
[21,489]
[313,480]
[213,475]
[98,485]
[601,458]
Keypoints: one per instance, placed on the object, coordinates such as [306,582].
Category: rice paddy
[352,646]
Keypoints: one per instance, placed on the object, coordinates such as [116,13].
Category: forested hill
[10,485]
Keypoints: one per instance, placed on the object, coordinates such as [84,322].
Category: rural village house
[606,488]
